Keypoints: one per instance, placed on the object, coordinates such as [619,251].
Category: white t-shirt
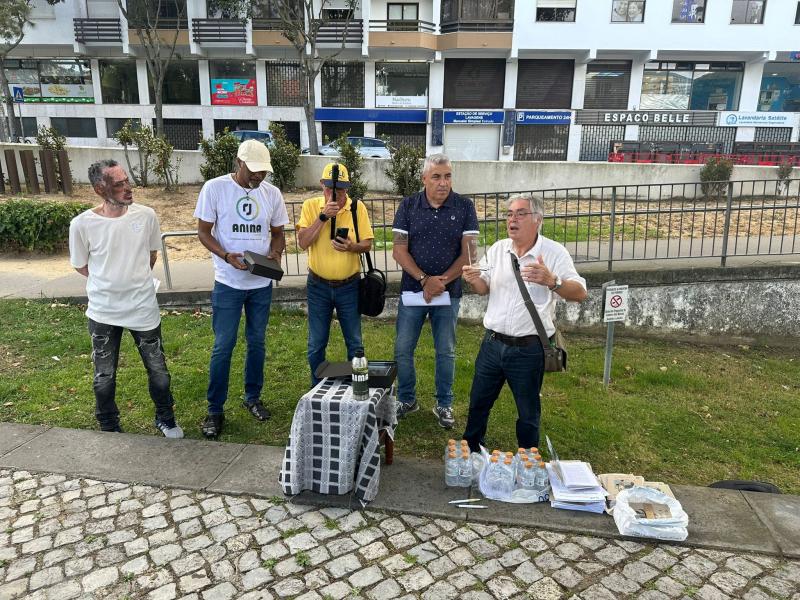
[117,250]
[506,312]
[242,219]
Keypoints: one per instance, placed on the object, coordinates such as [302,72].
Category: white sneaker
[174,433]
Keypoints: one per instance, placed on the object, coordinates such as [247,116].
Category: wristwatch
[323,217]
[422,278]
[556,285]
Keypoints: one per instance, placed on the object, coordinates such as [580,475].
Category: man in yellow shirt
[334,264]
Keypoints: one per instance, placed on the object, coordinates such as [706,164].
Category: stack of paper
[578,490]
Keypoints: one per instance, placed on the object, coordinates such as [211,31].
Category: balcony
[403,25]
[333,32]
[97,31]
[478,25]
[225,31]
[402,34]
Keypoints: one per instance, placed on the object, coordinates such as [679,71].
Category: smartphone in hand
[341,232]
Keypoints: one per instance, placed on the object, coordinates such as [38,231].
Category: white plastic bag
[518,496]
[629,523]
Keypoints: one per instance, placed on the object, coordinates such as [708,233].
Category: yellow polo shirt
[322,258]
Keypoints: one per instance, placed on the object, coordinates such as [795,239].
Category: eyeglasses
[337,190]
[519,214]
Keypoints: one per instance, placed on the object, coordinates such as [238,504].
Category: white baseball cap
[255,155]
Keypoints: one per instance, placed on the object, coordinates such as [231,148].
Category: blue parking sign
[19,96]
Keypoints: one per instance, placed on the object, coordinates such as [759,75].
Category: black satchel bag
[372,286]
[555,353]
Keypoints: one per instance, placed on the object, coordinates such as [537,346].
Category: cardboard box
[258,264]
[382,373]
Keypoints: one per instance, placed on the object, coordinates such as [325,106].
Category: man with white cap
[236,213]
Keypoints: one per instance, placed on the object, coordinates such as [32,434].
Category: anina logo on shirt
[248,210]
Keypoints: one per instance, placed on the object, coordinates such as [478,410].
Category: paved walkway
[93,515]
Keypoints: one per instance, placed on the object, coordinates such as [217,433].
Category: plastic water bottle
[507,484]
[542,481]
[451,470]
[451,447]
[519,462]
[493,475]
[465,470]
[527,476]
[360,376]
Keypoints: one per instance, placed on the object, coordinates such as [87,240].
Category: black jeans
[105,356]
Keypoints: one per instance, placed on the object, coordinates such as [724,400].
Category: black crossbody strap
[537,320]
[354,209]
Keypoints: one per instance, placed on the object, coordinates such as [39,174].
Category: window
[181,83]
[691,86]
[333,129]
[545,83]
[748,11]
[29,127]
[58,81]
[401,85]
[292,129]
[397,13]
[797,15]
[183,134]
[477,10]
[343,84]
[555,10]
[474,82]
[118,82]
[688,11]
[541,142]
[283,84]
[234,125]
[74,126]
[780,88]
[627,11]
[410,134]
[607,84]
[165,12]
[114,125]
[233,82]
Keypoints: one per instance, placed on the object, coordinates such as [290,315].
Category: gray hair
[97,171]
[536,204]
[435,160]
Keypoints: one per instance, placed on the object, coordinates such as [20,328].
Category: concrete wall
[468,176]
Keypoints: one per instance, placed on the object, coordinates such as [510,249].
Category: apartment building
[478,79]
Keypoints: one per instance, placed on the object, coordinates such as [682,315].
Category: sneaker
[212,426]
[258,410]
[170,429]
[445,416]
[404,409]
[115,429]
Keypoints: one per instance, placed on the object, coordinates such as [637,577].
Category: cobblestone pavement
[63,538]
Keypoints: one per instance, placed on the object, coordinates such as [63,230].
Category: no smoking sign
[616,303]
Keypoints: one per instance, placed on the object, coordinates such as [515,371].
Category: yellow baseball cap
[343,181]
[255,155]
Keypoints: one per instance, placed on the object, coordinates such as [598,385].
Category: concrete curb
[719,519]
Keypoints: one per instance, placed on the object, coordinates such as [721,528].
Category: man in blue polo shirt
[431,232]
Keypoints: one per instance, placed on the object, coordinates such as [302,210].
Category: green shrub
[49,138]
[715,176]
[165,169]
[784,173]
[350,158]
[285,158]
[220,155]
[36,226]
[405,169]
[134,135]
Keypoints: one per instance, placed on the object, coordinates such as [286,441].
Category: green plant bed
[680,413]
[36,225]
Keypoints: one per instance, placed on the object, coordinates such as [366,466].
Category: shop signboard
[544,117]
[646,117]
[371,115]
[794,56]
[401,101]
[474,117]
[234,92]
[756,119]
[55,92]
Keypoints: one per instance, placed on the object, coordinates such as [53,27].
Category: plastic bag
[518,496]
[629,523]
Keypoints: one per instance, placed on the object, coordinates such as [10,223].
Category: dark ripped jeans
[105,356]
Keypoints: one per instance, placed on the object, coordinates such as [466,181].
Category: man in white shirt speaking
[114,246]
[511,350]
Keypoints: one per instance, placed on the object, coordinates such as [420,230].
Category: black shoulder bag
[555,354]
[372,286]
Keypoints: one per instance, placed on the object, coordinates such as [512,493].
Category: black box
[258,264]
[382,373]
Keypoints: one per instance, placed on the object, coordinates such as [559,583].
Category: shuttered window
[545,83]
[474,82]
[607,84]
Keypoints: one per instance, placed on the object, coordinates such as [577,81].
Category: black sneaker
[115,429]
[444,415]
[404,409]
[258,410]
[212,425]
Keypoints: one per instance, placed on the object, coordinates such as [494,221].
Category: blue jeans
[523,368]
[322,300]
[227,304]
[105,356]
[443,325]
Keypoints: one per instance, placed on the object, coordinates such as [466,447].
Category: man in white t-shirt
[115,245]
[236,213]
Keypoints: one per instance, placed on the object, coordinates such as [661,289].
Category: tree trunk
[14,127]
[307,84]
[159,103]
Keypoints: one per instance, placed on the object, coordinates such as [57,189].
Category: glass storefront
[233,82]
[401,85]
[691,86]
[780,88]
[57,81]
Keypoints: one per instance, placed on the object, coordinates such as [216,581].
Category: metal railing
[332,32]
[483,25]
[219,30]
[613,224]
[402,25]
[97,30]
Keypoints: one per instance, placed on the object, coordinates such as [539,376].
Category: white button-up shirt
[506,312]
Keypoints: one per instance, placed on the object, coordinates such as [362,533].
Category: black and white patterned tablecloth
[333,445]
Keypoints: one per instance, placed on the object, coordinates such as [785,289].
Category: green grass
[675,412]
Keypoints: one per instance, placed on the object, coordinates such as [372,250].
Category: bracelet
[225,258]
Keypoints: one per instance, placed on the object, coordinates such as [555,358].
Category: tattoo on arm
[400,239]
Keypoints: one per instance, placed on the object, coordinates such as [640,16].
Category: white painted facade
[591,37]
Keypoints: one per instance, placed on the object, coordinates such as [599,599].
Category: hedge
[34,225]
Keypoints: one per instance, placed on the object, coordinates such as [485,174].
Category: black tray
[382,373]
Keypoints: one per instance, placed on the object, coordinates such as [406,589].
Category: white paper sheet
[416,299]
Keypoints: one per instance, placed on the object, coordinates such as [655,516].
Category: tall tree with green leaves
[14,17]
